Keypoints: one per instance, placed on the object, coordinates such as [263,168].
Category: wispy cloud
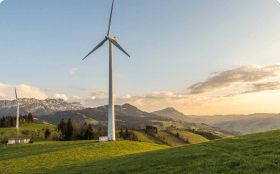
[72,71]
[87,89]
[99,93]
[244,74]
[259,87]
[48,89]
[1,1]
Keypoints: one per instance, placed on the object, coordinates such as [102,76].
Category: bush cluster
[127,135]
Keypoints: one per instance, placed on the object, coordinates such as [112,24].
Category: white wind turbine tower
[111,115]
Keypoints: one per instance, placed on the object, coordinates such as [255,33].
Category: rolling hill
[252,153]
[131,116]
[244,124]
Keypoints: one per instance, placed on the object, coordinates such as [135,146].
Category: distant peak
[170,108]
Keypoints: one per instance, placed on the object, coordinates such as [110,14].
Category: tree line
[10,121]
[71,131]
[207,135]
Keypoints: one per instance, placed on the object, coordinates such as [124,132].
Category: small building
[103,139]
[18,140]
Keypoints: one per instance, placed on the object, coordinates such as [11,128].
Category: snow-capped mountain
[37,107]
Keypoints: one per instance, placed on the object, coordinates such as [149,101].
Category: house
[18,140]
[103,139]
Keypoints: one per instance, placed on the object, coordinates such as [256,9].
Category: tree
[25,132]
[2,135]
[126,133]
[76,130]
[47,133]
[121,133]
[90,131]
[30,118]
[33,134]
[41,133]
[68,134]
[15,133]
[62,127]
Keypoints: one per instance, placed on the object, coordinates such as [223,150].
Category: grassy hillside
[193,138]
[8,131]
[254,153]
[56,155]
[144,137]
[172,140]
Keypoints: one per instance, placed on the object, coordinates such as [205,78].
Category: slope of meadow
[193,138]
[254,153]
[144,137]
[59,155]
[172,140]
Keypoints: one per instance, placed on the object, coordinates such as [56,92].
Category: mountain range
[130,116]
[244,124]
[37,107]
[52,110]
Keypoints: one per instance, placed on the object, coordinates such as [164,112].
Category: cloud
[1,1]
[243,74]
[259,87]
[48,89]
[73,97]
[89,89]
[72,71]
[56,96]
[7,92]
[99,93]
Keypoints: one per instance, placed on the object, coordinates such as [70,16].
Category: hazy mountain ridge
[245,124]
[37,107]
[131,116]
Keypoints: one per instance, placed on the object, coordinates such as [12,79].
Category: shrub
[15,133]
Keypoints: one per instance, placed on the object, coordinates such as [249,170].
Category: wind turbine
[17,108]
[111,114]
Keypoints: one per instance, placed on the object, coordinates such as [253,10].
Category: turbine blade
[16,92]
[99,45]
[109,28]
[118,46]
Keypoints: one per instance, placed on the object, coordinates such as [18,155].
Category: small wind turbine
[17,108]
[111,115]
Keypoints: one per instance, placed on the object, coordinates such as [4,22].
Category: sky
[200,57]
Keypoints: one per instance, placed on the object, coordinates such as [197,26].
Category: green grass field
[253,153]
[193,138]
[8,131]
[59,155]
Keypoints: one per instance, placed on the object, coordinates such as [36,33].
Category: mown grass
[193,138]
[30,127]
[43,156]
[254,153]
